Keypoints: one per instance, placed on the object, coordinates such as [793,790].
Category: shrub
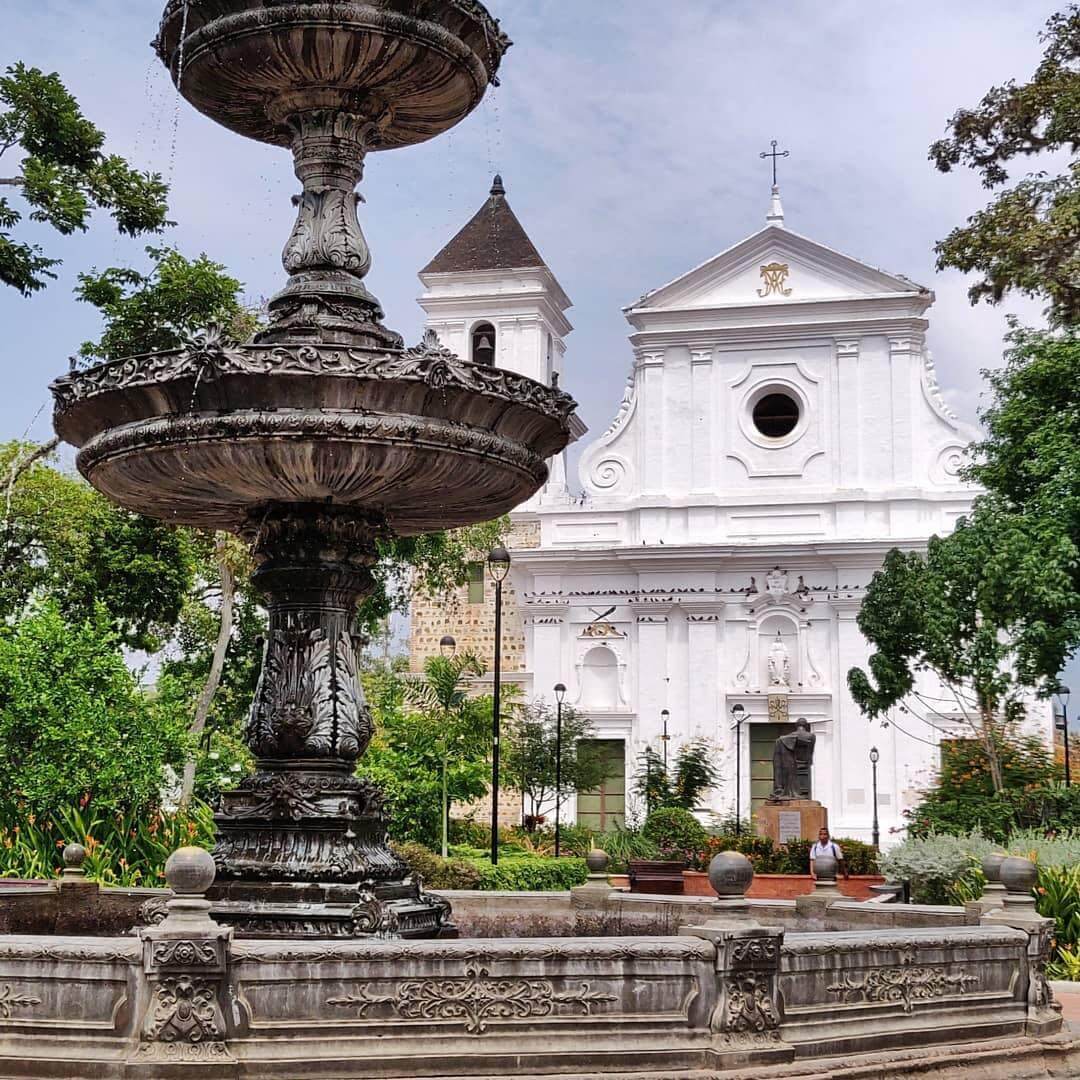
[437,872]
[531,873]
[963,799]
[934,864]
[677,833]
[127,850]
[76,727]
[861,858]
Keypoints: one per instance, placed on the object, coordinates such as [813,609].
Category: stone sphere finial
[74,856]
[597,860]
[730,874]
[825,867]
[190,871]
[991,868]
[1019,876]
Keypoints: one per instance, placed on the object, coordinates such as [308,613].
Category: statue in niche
[779,664]
[793,752]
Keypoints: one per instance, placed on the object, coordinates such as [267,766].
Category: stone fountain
[316,441]
[321,437]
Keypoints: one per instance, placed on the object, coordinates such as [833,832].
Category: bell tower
[491,298]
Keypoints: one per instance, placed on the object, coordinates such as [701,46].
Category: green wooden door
[604,808]
[762,740]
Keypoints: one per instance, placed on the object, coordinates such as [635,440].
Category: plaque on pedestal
[792,819]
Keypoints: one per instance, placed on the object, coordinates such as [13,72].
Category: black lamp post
[447,648]
[664,714]
[648,780]
[1063,700]
[560,693]
[874,756]
[738,713]
[498,567]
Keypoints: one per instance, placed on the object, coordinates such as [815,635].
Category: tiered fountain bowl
[320,437]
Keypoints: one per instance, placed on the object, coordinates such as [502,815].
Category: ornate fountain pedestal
[321,437]
[301,848]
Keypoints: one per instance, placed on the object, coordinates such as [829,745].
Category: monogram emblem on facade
[774,275]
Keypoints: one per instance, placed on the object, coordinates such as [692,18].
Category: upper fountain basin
[207,434]
[412,67]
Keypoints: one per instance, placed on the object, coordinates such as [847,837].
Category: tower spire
[775,216]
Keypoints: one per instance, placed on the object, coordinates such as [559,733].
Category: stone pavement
[1069,996]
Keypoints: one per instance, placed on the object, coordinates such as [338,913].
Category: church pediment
[775,266]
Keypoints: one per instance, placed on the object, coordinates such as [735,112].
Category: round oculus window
[776,415]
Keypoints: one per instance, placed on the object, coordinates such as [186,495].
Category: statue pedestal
[791,819]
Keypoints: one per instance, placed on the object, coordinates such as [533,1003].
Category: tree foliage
[64,175]
[529,755]
[1028,239]
[692,774]
[160,309]
[75,726]
[987,611]
[60,539]
[407,755]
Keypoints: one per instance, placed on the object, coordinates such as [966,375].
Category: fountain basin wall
[723,995]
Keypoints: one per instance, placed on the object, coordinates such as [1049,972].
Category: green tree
[529,756]
[409,752]
[1029,462]
[63,175]
[164,307]
[456,723]
[60,539]
[958,614]
[1028,239]
[692,774]
[75,725]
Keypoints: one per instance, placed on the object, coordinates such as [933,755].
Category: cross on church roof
[774,154]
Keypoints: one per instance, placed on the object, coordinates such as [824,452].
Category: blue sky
[627,134]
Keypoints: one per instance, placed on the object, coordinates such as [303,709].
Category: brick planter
[771,886]
[784,886]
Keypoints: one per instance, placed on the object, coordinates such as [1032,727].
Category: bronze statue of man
[790,752]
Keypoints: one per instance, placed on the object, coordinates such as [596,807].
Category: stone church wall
[472,625]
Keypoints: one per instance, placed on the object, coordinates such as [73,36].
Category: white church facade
[780,430]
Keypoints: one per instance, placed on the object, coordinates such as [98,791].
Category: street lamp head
[1062,694]
[447,645]
[664,712]
[560,692]
[737,712]
[498,561]
[874,755]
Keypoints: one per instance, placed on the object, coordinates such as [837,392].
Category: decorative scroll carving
[748,1004]
[11,999]
[906,984]
[692,950]
[185,953]
[754,950]
[153,911]
[327,233]
[427,363]
[185,1010]
[475,999]
[309,703]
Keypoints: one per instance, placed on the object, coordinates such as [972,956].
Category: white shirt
[830,848]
